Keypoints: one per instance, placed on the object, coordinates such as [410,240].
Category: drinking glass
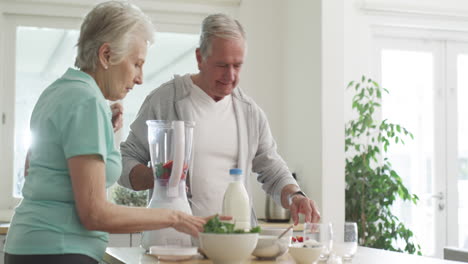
[321,234]
[347,247]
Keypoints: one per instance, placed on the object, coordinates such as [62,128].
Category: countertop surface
[136,255]
[364,255]
[4,228]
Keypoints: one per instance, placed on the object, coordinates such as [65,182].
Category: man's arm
[135,153]
[277,179]
[141,178]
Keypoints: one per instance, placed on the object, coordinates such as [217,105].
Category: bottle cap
[235,171]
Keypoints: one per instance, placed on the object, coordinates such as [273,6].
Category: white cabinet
[135,239]
[119,240]
[124,240]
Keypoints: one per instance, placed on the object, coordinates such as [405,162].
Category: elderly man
[231,130]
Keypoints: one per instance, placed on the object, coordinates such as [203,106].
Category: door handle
[440,198]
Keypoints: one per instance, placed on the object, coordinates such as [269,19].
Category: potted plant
[124,196]
[372,186]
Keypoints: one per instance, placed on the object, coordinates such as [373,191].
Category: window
[36,68]
[38,65]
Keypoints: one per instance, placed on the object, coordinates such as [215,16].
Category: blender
[170,146]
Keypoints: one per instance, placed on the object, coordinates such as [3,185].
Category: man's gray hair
[221,26]
[114,22]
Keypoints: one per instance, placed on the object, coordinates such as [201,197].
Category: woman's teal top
[71,118]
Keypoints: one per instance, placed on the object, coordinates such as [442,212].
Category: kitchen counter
[4,228]
[363,256]
[136,255]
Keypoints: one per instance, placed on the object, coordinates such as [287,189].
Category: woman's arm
[96,213]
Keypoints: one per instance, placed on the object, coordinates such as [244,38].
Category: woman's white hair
[219,25]
[114,22]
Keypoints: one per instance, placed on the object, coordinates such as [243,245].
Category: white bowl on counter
[305,255]
[276,231]
[228,248]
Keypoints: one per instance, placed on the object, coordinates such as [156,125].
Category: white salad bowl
[228,248]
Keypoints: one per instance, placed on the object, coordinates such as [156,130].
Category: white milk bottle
[236,201]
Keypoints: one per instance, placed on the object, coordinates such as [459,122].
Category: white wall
[294,71]
[302,93]
[262,76]
[333,179]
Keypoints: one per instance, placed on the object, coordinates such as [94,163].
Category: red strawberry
[300,239]
[166,174]
[168,165]
[168,168]
[293,239]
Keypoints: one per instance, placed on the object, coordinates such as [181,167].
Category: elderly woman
[64,216]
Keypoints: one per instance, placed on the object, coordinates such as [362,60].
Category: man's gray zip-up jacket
[257,148]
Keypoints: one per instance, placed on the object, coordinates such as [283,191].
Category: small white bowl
[305,255]
[228,248]
[270,247]
[276,231]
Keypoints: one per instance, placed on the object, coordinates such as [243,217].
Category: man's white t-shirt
[215,151]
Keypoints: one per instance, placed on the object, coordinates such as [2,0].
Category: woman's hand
[188,224]
[117,116]
[192,225]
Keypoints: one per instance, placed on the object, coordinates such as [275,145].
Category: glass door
[412,71]
[457,142]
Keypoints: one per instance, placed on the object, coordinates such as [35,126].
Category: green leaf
[215,225]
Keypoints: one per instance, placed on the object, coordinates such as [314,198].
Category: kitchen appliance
[275,212]
[170,146]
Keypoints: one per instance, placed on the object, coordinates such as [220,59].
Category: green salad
[215,225]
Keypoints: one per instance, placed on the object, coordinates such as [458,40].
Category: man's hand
[299,204]
[303,205]
[117,116]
